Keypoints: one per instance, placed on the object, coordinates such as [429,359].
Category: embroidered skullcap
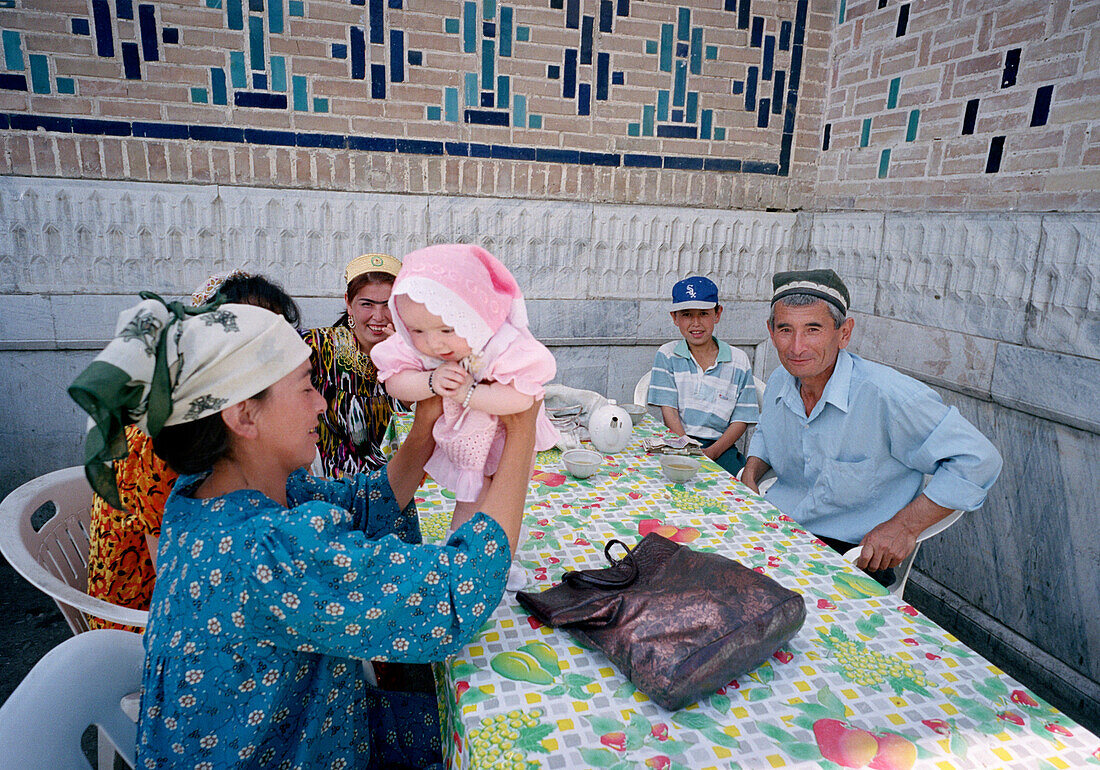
[210,286]
[464,285]
[824,284]
[169,364]
[371,263]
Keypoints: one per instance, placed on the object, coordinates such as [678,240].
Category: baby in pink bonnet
[461,333]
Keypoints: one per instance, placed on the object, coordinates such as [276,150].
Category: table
[867,682]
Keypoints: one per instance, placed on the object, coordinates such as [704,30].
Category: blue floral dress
[259,610]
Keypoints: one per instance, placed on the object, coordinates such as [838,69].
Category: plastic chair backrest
[55,558]
[641,390]
[759,384]
[80,682]
[901,572]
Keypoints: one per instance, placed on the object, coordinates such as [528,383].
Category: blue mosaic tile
[884,163]
[762,113]
[487,99]
[275,20]
[372,143]
[557,5]
[147,27]
[320,104]
[553,155]
[584,94]
[756,38]
[66,86]
[358,40]
[722,164]
[826,137]
[1040,112]
[104,28]
[618,78]
[996,150]
[677,132]
[1012,68]
[339,51]
[218,90]
[131,61]
[13,50]
[506,152]
[648,119]
[378,81]
[170,36]
[218,4]
[259,81]
[480,150]
[622,8]
[750,90]
[461,149]
[600,158]
[743,14]
[124,9]
[769,58]
[199,95]
[903,20]
[632,160]
[416,58]
[268,136]
[569,74]
[295,8]
[256,6]
[262,100]
[397,56]
[486,117]
[738,86]
[40,74]
[684,164]
[489,29]
[603,67]
[553,71]
[81,27]
[327,141]
[396,4]
[572,14]
[607,16]
[677,116]
[377,22]
[759,167]
[682,50]
[586,40]
[784,35]
[236,69]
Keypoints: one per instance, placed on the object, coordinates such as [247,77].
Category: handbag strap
[609,577]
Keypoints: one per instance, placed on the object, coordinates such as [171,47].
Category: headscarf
[213,285]
[169,364]
[464,285]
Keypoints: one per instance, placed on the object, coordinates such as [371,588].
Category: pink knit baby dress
[474,293]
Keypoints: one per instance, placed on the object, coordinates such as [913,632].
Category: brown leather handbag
[678,623]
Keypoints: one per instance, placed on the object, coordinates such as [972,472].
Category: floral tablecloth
[867,682]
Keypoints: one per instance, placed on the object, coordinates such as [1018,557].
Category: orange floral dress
[120,569]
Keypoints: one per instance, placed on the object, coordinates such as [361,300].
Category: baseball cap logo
[691,290]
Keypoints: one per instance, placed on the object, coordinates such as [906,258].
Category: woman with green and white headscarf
[272,583]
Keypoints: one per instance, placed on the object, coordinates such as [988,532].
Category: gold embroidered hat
[371,263]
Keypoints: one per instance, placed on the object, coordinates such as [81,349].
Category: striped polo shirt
[707,401]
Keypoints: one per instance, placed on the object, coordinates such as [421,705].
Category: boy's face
[697,326]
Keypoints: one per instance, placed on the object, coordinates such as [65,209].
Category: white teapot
[610,428]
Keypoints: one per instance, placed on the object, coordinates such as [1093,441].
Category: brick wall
[715,103]
[962,106]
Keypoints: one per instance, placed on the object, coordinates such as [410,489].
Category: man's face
[697,326]
[807,340]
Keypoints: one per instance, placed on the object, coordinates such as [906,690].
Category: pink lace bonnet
[464,285]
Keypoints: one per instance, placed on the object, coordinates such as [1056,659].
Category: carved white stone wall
[1065,303]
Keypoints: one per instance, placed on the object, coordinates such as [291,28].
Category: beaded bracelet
[430,375]
[470,392]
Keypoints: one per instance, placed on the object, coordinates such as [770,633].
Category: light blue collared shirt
[861,454]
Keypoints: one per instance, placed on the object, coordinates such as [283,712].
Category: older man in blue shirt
[850,441]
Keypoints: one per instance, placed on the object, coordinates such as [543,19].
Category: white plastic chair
[79,683]
[901,572]
[55,558]
[641,390]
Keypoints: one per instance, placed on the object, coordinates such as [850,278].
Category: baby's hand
[451,381]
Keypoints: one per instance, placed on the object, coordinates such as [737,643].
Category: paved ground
[31,625]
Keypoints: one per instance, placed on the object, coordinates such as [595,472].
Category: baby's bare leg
[464,511]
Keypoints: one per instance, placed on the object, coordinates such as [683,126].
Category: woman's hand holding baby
[451,381]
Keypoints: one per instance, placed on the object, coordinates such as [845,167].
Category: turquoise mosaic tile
[320,104]
[278,74]
[295,8]
[13,50]
[40,74]
[534,121]
[275,16]
[236,69]
[471,90]
[523,34]
[66,86]
[697,51]
[666,47]
[884,163]
[683,23]
[214,4]
[450,103]
[505,31]
[256,43]
[662,105]
[692,106]
[892,97]
[433,113]
[705,121]
[679,85]
[503,88]
[865,133]
[301,96]
[647,120]
[651,46]
[840,14]
[488,63]
[711,52]
[519,110]
[199,95]
[634,129]
[234,14]
[911,128]
[720,133]
[450,26]
[469,27]
[217,86]
[489,8]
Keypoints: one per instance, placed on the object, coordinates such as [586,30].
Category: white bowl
[581,463]
[679,468]
[637,412]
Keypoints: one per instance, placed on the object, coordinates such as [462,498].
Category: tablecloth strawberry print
[867,683]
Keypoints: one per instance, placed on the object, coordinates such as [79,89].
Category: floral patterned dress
[119,568]
[259,611]
[359,408]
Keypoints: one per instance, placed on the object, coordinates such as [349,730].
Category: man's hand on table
[751,473]
[890,542]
